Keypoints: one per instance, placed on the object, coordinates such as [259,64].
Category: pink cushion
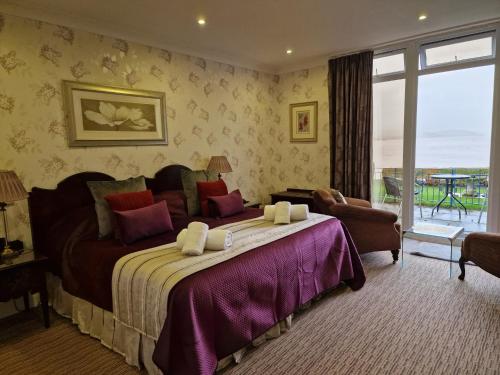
[209,189]
[227,205]
[143,222]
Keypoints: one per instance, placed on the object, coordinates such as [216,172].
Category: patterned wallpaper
[212,109]
[302,165]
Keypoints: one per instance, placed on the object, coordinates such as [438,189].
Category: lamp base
[8,252]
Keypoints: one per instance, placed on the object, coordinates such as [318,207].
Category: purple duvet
[219,310]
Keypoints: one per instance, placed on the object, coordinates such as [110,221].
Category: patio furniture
[484,250]
[450,191]
[370,229]
[393,188]
[450,233]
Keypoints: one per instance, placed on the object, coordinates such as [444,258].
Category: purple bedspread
[218,311]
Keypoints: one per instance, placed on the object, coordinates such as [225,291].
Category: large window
[388,125]
[448,86]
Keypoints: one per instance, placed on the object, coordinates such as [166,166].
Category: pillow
[229,204]
[129,201]
[99,189]
[209,189]
[189,179]
[143,222]
[337,195]
[176,202]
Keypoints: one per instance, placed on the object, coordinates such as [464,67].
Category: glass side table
[434,230]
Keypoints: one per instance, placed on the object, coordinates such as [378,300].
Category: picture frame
[113,116]
[304,122]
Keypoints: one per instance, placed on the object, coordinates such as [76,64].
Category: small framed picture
[112,116]
[304,122]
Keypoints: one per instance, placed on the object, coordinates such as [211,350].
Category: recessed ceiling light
[201,21]
[422,17]
[289,51]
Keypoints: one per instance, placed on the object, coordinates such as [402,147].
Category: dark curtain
[350,91]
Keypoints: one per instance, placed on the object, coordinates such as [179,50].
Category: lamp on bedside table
[11,190]
[219,164]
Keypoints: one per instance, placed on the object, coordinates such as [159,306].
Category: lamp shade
[11,187]
[219,164]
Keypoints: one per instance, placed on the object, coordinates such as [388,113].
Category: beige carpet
[413,320]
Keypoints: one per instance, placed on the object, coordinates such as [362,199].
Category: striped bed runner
[142,280]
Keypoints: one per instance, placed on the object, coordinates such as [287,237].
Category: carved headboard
[47,207]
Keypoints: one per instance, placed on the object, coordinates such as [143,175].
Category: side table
[22,275]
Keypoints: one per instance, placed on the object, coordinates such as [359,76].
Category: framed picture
[304,122]
[112,116]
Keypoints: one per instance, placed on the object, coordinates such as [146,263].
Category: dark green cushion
[100,189]
[189,179]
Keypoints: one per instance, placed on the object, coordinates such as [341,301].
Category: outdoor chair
[394,189]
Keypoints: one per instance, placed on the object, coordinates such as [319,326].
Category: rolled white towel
[196,237]
[180,239]
[269,211]
[217,239]
[299,212]
[282,213]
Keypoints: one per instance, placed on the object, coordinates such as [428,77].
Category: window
[388,63]
[458,50]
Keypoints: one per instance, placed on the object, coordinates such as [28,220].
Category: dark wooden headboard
[48,206]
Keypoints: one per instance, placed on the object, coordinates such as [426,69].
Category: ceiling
[256,33]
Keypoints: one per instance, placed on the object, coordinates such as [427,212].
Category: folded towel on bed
[196,237]
[282,213]
[217,239]
[298,212]
[269,211]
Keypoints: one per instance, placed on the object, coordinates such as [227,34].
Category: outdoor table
[450,187]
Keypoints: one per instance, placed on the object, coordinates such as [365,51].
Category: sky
[454,116]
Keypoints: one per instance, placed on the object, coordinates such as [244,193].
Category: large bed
[212,313]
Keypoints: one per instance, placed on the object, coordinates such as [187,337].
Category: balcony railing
[472,192]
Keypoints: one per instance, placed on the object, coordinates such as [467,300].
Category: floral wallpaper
[301,165]
[212,109]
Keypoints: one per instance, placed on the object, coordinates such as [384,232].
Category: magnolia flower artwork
[111,116]
[117,116]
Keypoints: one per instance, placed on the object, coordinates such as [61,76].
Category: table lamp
[11,190]
[219,164]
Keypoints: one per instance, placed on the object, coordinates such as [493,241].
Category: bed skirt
[137,349]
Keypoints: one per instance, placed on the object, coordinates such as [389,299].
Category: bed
[213,313]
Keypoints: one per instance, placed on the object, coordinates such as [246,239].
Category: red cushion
[143,222]
[209,189]
[176,202]
[129,201]
[227,205]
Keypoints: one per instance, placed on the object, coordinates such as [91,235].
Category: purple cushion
[143,222]
[229,204]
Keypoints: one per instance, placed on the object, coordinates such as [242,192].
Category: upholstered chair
[484,250]
[371,229]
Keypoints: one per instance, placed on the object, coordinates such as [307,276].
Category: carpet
[411,320]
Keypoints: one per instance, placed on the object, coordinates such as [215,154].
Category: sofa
[484,250]
[371,229]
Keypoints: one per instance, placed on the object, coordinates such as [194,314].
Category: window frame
[392,75]
[465,63]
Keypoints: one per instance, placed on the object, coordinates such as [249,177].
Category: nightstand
[22,275]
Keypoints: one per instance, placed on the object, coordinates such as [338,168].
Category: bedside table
[22,275]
